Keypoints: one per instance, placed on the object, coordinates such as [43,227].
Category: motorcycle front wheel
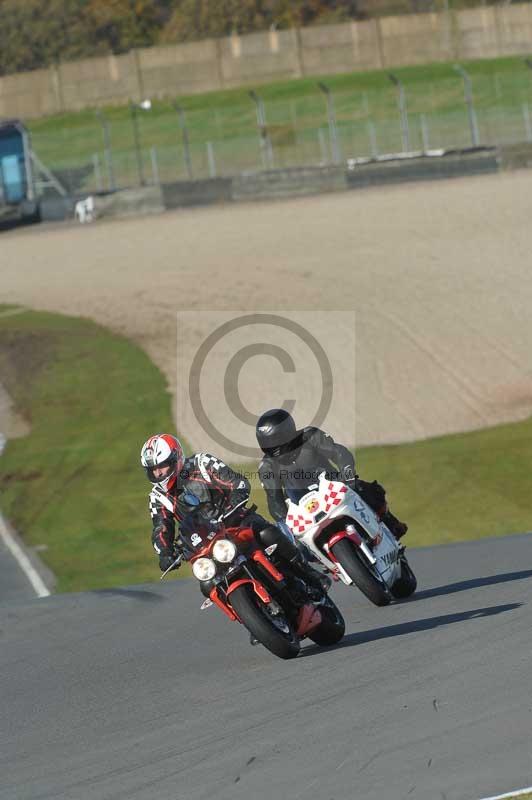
[273,631]
[406,585]
[361,575]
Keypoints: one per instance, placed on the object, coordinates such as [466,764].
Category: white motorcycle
[346,535]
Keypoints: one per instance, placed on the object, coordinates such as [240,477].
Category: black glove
[165,562]
[349,475]
[351,481]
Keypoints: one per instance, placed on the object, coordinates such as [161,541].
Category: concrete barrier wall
[213,64]
[97,81]
[515,28]
[259,57]
[292,182]
[171,71]
[427,38]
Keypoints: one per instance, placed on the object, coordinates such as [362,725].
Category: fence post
[372,133]
[264,138]
[107,149]
[424,132]
[144,105]
[333,130]
[97,172]
[211,160]
[186,143]
[468,96]
[527,121]
[154,166]
[323,146]
[403,114]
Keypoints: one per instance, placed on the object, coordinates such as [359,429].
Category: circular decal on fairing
[312,506]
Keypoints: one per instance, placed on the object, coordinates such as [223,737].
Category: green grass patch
[75,484]
[527,796]
[296,115]
[518,796]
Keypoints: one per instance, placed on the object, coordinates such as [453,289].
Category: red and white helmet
[162,450]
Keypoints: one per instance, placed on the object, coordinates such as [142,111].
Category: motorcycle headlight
[224,551]
[204,569]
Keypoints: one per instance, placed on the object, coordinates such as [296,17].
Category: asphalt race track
[133,694]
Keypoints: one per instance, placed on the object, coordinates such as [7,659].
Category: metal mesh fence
[125,148]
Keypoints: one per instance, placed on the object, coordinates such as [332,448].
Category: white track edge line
[515,793]
[23,561]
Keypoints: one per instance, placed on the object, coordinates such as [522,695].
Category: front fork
[222,598]
[352,534]
[290,606]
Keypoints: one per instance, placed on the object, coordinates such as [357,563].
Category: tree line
[38,33]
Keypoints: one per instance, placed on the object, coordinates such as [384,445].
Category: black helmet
[275,430]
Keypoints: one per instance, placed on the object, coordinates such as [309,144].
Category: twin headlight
[204,569]
[223,551]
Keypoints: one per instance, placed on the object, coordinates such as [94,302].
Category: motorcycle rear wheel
[332,626]
[255,617]
[361,575]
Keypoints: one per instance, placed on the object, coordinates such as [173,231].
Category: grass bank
[365,107]
[74,484]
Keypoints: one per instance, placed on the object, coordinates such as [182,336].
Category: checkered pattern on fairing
[298,524]
[332,497]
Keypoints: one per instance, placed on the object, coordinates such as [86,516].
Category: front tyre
[332,626]
[368,583]
[275,634]
[406,585]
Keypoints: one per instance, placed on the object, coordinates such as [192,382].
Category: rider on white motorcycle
[294,456]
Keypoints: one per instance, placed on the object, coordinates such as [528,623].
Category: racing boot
[395,525]
[314,578]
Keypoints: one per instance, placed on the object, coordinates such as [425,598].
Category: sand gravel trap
[439,274]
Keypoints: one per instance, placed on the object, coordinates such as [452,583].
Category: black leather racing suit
[311,453]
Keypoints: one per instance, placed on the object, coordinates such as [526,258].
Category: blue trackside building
[17,188]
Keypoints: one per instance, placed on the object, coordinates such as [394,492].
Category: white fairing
[330,500]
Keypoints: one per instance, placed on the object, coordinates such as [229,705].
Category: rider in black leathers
[293,458]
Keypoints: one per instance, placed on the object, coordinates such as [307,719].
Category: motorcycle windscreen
[298,483]
[197,530]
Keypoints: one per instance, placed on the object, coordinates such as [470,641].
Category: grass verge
[527,796]
[74,484]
